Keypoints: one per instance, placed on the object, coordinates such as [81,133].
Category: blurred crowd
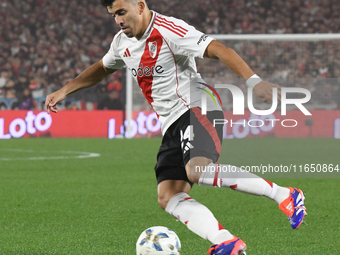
[44,44]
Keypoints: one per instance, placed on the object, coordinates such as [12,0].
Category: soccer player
[159,52]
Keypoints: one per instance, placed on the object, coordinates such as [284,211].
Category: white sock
[281,194]
[233,177]
[198,218]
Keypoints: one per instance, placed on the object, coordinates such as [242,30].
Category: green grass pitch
[53,202]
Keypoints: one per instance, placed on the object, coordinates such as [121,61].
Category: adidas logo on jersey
[127,53]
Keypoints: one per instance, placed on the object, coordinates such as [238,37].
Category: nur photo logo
[239,103]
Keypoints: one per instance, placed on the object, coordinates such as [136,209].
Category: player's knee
[169,188]
[195,166]
[169,203]
[192,174]
[163,200]
[193,177]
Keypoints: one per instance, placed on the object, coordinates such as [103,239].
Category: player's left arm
[235,63]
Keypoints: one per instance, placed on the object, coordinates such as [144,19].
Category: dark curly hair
[106,2]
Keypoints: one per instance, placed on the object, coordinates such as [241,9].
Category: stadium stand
[44,44]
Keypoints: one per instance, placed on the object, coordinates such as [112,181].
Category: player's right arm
[235,63]
[91,76]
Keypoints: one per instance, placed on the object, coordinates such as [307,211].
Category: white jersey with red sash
[163,64]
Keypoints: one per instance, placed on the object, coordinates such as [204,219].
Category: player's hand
[52,100]
[264,91]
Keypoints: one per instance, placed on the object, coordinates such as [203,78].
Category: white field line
[70,155]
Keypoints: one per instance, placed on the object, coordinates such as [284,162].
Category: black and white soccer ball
[158,240]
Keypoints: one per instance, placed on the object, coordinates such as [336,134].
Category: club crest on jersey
[152,49]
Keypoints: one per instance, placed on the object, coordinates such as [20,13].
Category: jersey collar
[149,28]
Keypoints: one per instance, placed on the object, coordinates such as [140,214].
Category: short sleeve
[185,39]
[112,60]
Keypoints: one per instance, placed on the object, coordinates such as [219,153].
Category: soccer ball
[158,241]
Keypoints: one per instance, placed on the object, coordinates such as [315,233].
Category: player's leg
[290,200]
[173,197]
[201,221]
[169,188]
[202,171]
[205,145]
[173,188]
[204,140]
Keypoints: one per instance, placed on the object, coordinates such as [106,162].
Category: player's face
[128,17]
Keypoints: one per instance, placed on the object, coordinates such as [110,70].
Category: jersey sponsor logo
[152,49]
[147,71]
[202,38]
